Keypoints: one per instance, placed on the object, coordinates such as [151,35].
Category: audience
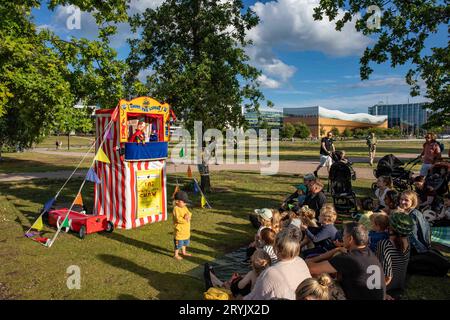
[384,184]
[378,230]
[314,289]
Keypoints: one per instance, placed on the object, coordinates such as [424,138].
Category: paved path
[285,167]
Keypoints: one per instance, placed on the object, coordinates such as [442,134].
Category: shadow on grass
[170,285]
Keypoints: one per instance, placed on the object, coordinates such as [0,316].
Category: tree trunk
[205,181]
[68,141]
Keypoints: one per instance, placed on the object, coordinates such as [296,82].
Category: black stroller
[436,183]
[340,182]
[400,172]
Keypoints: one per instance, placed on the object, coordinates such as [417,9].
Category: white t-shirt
[381,196]
[280,281]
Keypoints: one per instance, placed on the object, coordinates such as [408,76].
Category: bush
[302,130]
[288,131]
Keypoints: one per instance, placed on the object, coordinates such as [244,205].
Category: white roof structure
[356,117]
[318,111]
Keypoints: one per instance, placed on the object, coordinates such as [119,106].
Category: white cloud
[267,82]
[290,23]
[358,103]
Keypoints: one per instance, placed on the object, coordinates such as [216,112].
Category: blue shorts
[180,243]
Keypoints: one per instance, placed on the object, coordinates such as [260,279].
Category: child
[384,184]
[241,286]
[182,224]
[301,191]
[441,218]
[378,232]
[314,289]
[265,219]
[367,207]
[268,240]
[324,236]
[307,217]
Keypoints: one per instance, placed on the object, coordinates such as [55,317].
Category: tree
[302,130]
[335,131]
[347,133]
[288,131]
[195,49]
[42,75]
[322,131]
[405,27]
[77,120]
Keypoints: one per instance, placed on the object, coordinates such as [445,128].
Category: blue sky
[304,62]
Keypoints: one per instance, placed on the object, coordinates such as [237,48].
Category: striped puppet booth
[132,189]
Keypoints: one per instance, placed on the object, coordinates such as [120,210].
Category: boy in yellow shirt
[182,224]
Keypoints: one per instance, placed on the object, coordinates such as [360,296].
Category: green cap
[302,187]
[401,223]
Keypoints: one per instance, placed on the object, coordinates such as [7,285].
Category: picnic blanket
[441,235]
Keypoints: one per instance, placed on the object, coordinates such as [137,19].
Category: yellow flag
[78,200]
[189,172]
[38,224]
[203,201]
[101,156]
[177,188]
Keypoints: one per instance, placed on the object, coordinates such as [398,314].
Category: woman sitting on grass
[393,253]
[281,280]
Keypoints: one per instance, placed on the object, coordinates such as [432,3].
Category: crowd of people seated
[299,252]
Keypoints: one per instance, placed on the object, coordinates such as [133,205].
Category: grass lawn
[75,141]
[39,162]
[138,264]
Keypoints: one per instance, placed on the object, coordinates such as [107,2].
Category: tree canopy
[42,75]
[195,52]
[404,28]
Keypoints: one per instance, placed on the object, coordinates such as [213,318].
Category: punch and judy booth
[132,190]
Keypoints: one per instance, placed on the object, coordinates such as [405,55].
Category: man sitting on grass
[359,269]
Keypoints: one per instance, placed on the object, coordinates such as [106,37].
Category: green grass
[137,264]
[39,162]
[75,141]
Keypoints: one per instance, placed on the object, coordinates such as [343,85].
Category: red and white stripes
[116,196]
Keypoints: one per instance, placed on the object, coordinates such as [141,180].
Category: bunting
[101,156]
[114,114]
[91,176]
[182,153]
[48,205]
[78,200]
[189,172]
[38,224]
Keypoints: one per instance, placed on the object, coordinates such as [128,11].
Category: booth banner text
[149,192]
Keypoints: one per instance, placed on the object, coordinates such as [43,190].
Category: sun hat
[181,195]
[401,223]
[265,213]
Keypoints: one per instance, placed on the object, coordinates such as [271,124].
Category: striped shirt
[394,263]
[271,253]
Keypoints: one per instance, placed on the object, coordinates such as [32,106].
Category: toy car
[81,223]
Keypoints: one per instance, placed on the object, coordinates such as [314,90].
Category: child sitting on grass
[265,219]
[307,216]
[367,212]
[379,229]
[384,184]
[324,236]
[268,240]
[240,286]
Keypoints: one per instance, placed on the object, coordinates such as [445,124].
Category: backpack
[217,294]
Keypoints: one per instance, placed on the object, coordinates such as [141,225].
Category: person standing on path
[431,153]
[372,144]
[326,149]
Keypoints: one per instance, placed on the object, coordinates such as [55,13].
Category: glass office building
[274,118]
[409,117]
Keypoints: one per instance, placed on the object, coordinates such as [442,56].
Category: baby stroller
[340,181]
[436,184]
[400,173]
